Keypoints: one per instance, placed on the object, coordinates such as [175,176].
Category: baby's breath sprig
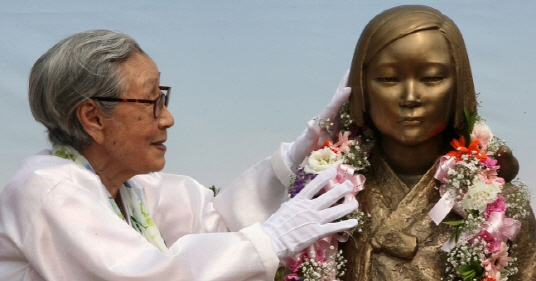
[517,197]
[326,269]
[472,224]
[357,157]
[324,124]
[462,175]
[346,119]
[494,144]
[464,261]
[363,219]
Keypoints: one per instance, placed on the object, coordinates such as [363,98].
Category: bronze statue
[411,80]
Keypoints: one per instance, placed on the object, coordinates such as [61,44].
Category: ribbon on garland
[501,227]
[346,172]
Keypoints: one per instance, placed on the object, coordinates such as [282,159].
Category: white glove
[313,136]
[303,220]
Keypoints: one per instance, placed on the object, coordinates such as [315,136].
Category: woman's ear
[90,117]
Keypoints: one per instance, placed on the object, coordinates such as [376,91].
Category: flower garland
[489,207]
[349,155]
[470,186]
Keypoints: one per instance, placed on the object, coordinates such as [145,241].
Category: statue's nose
[410,97]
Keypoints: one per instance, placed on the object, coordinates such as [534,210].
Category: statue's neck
[411,162]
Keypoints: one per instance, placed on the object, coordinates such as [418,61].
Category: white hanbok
[56,223]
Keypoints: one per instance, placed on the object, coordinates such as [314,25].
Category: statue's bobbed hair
[393,24]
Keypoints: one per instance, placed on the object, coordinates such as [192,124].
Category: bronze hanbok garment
[401,242]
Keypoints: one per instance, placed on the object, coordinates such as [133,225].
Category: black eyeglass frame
[156,102]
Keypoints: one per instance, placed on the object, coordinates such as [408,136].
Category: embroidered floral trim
[140,218]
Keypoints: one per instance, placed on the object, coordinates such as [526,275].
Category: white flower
[480,195]
[320,160]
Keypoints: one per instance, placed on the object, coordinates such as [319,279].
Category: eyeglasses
[159,102]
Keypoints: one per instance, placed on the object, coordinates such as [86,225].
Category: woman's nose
[166,119]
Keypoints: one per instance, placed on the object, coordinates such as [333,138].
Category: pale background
[247,75]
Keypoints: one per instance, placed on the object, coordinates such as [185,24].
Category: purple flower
[302,179]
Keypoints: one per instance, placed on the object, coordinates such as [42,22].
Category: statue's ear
[90,117]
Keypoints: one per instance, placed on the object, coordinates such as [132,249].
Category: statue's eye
[432,79]
[386,79]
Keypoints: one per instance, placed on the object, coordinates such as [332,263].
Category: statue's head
[439,76]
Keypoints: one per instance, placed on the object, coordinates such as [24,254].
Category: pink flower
[482,133]
[489,175]
[490,163]
[486,236]
[497,206]
[343,145]
[494,244]
[495,264]
[294,262]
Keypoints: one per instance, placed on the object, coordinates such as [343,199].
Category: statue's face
[410,87]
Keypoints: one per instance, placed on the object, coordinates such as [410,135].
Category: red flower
[328,143]
[488,279]
[472,151]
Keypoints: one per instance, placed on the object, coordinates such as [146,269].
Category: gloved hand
[303,220]
[314,136]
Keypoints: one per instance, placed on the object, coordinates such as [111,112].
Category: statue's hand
[314,136]
[508,162]
[396,243]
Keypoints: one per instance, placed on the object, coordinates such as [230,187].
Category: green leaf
[214,189]
[467,272]
[458,232]
[470,124]
[280,274]
[469,120]
[458,224]
[471,271]
[472,212]
[453,223]
[479,270]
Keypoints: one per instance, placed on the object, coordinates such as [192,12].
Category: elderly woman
[95,208]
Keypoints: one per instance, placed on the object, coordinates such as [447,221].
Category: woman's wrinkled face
[410,86]
[134,138]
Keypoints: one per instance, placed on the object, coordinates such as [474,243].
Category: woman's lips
[160,145]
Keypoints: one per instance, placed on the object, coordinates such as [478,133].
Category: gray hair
[79,67]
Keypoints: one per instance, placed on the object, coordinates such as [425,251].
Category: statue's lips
[410,121]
